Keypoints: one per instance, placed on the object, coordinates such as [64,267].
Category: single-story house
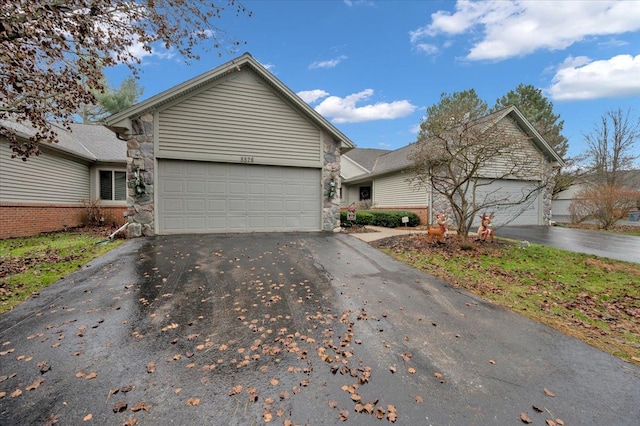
[563,199]
[381,180]
[231,150]
[51,191]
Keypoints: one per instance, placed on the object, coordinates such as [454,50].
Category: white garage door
[525,213]
[197,197]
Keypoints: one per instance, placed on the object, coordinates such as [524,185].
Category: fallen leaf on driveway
[15,393]
[411,370]
[131,421]
[194,402]
[235,390]
[120,407]
[35,385]
[419,399]
[80,374]
[87,417]
[392,414]
[333,403]
[392,368]
[91,376]
[525,419]
[344,414]
[550,422]
[141,406]
[44,366]
[538,409]
[51,420]
[548,392]
[151,367]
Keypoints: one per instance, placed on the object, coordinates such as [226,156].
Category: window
[113,185]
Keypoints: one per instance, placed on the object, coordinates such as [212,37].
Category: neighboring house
[232,150]
[387,180]
[50,192]
[562,200]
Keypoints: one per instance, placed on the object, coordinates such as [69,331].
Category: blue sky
[373,67]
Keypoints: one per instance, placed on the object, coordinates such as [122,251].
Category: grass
[27,265]
[594,299]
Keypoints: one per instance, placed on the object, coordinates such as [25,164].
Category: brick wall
[18,220]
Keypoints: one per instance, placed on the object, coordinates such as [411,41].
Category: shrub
[604,204]
[388,219]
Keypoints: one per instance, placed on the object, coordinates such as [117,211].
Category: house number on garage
[246,159]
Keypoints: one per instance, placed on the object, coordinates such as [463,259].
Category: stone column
[140,166]
[331,173]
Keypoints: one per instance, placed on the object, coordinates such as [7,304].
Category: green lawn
[29,264]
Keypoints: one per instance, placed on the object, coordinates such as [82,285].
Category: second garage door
[198,197]
[525,213]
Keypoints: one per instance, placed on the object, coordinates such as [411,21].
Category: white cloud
[331,63]
[517,28]
[429,49]
[269,67]
[345,110]
[615,77]
[310,96]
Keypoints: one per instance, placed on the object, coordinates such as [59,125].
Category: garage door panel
[275,190]
[195,223]
[195,206]
[237,206]
[195,186]
[526,212]
[217,197]
[172,204]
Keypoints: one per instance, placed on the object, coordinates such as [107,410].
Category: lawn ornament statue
[440,231]
[485,232]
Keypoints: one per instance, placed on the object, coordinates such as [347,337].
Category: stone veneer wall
[331,172]
[140,159]
[140,152]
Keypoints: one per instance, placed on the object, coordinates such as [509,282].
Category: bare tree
[50,49]
[603,203]
[462,154]
[610,147]
[611,154]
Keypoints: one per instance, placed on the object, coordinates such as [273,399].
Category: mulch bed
[452,246]
[356,229]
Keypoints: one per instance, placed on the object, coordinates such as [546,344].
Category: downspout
[110,238]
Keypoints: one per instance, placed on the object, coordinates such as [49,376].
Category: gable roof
[121,122]
[398,160]
[365,157]
[524,124]
[91,142]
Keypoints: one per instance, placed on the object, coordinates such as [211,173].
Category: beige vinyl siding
[240,119]
[522,154]
[47,178]
[349,169]
[395,190]
[350,194]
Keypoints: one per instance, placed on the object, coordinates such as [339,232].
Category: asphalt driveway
[270,328]
[603,244]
